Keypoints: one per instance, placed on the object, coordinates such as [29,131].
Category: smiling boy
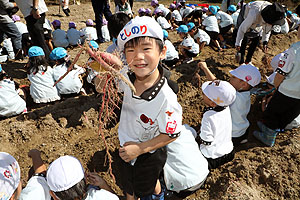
[151,117]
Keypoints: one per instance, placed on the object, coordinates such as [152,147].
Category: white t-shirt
[211,23]
[41,86]
[216,127]
[163,9]
[90,33]
[171,51]
[26,6]
[10,102]
[235,16]
[59,38]
[254,20]
[290,64]
[190,42]
[105,33]
[239,111]
[21,27]
[47,25]
[37,189]
[203,36]
[225,19]
[185,11]
[176,15]
[74,36]
[102,194]
[185,166]
[144,117]
[163,22]
[71,83]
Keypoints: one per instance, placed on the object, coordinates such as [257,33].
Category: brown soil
[70,127]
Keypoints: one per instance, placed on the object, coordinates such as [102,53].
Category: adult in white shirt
[256,17]
[34,12]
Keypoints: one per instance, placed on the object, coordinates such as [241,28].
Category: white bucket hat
[9,175]
[64,173]
[220,92]
[247,73]
[139,27]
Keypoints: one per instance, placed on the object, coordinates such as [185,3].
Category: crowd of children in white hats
[157,152]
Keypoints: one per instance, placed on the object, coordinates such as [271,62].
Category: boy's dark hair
[4,75]
[135,41]
[116,23]
[62,61]
[36,61]
[78,191]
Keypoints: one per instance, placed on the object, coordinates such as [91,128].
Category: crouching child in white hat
[243,79]
[216,124]
[66,180]
[10,179]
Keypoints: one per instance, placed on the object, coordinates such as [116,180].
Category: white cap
[9,175]
[139,27]
[64,173]
[247,73]
[220,92]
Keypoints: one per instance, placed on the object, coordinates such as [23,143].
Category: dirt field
[70,127]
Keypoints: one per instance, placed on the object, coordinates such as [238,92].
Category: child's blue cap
[182,29]
[190,26]
[213,9]
[232,8]
[93,44]
[0,68]
[58,53]
[35,51]
[166,34]
[289,13]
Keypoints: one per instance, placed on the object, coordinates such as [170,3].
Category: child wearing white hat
[10,179]
[243,79]
[150,118]
[89,32]
[216,124]
[66,180]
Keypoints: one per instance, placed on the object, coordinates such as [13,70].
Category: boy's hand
[94,179]
[202,65]
[130,151]
[34,153]
[111,60]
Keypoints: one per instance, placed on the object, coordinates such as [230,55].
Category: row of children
[42,78]
[152,137]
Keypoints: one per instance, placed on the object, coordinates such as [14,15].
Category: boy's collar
[151,92]
[217,108]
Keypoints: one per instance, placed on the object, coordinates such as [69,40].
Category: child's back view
[74,36]
[71,83]
[216,124]
[89,32]
[59,36]
[40,75]
[10,101]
